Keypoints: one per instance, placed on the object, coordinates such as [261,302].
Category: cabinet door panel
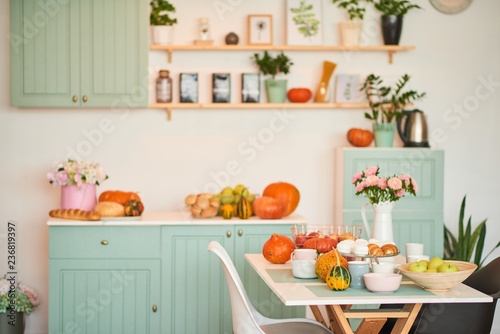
[263,299]
[104,296]
[44,52]
[114,53]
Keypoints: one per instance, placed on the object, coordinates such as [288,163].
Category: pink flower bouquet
[76,172]
[381,189]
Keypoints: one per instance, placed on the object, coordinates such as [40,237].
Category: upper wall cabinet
[70,53]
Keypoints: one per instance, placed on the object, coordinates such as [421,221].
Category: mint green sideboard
[415,219]
[74,53]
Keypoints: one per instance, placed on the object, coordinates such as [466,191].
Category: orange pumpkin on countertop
[278,248]
[359,137]
[118,196]
[286,193]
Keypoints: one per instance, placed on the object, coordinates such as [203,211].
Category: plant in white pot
[392,18]
[387,106]
[162,25]
[275,89]
[350,31]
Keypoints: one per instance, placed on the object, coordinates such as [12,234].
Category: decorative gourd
[278,248]
[285,192]
[118,196]
[359,137]
[268,208]
[321,243]
[134,208]
[327,261]
[227,211]
[244,208]
[339,277]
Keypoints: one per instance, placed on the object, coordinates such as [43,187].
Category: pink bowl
[382,282]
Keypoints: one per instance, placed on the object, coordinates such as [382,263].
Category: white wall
[165,161]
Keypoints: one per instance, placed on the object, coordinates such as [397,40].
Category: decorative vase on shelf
[82,198]
[350,32]
[392,25]
[382,221]
[276,90]
[384,134]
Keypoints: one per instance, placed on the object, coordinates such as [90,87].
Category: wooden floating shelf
[170,106]
[390,49]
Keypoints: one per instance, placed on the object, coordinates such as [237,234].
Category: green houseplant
[387,104]
[16,300]
[350,31]
[467,242]
[392,18]
[162,24]
[276,89]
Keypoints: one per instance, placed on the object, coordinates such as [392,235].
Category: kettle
[414,133]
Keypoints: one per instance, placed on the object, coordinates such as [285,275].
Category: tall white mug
[414,249]
[304,254]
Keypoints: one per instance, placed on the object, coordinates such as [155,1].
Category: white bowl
[382,282]
[304,268]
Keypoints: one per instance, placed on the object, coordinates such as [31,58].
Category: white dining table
[313,293]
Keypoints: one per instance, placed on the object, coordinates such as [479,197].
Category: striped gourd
[339,278]
[244,208]
[227,211]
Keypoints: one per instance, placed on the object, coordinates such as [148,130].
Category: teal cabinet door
[194,288]
[249,239]
[44,53]
[104,296]
[114,53]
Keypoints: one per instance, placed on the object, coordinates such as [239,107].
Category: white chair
[246,319]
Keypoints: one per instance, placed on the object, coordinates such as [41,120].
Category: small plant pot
[163,35]
[6,328]
[276,90]
[350,32]
[384,134]
[392,25]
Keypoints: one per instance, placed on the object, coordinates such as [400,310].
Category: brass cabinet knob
[75,98]
[240,233]
[104,242]
[155,308]
[229,234]
[84,98]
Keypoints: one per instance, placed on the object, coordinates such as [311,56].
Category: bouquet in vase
[19,297]
[77,173]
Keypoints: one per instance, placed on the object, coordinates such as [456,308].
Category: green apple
[433,270]
[251,198]
[238,189]
[447,268]
[435,262]
[425,262]
[226,195]
[417,267]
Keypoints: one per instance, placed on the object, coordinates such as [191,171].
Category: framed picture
[250,87]
[189,87]
[260,29]
[221,88]
[304,22]
[347,88]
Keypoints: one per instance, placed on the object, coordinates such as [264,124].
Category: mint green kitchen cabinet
[74,53]
[415,219]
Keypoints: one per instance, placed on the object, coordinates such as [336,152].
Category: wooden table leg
[371,326]
[317,314]
[403,325]
[340,325]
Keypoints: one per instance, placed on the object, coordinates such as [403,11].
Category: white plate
[125,219]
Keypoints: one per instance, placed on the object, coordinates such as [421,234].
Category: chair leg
[403,325]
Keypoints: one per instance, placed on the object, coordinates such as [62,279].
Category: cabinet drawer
[94,242]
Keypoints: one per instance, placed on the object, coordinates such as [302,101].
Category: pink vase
[83,197]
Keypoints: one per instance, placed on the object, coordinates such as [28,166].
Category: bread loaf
[75,214]
[110,209]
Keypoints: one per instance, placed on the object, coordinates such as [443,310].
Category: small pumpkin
[268,208]
[134,208]
[339,277]
[299,95]
[227,211]
[118,196]
[286,193]
[327,261]
[359,137]
[244,208]
[278,248]
[321,243]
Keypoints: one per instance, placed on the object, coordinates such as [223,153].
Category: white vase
[350,32]
[382,221]
[163,35]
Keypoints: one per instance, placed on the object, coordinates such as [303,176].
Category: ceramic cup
[416,258]
[304,268]
[357,270]
[304,254]
[384,267]
[414,249]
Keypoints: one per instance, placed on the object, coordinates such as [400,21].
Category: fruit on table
[134,208]
[359,137]
[300,239]
[425,262]
[227,211]
[202,205]
[299,95]
[339,277]
[447,268]
[110,209]
[118,196]
[244,208]
[327,261]
[347,236]
[268,208]
[435,262]
[417,267]
[433,270]
[285,192]
[226,195]
[335,236]
[321,243]
[278,248]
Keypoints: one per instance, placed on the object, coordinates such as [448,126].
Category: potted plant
[392,18]
[16,299]
[350,31]
[275,89]
[387,106]
[162,25]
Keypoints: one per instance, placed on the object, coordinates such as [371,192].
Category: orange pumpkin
[286,193]
[321,243]
[299,95]
[268,208]
[359,137]
[327,261]
[118,196]
[278,248]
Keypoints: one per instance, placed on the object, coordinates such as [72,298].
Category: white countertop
[177,218]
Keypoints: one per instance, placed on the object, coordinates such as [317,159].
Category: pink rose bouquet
[381,189]
[76,172]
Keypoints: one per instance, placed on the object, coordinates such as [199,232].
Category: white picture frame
[304,22]
[260,29]
[347,88]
